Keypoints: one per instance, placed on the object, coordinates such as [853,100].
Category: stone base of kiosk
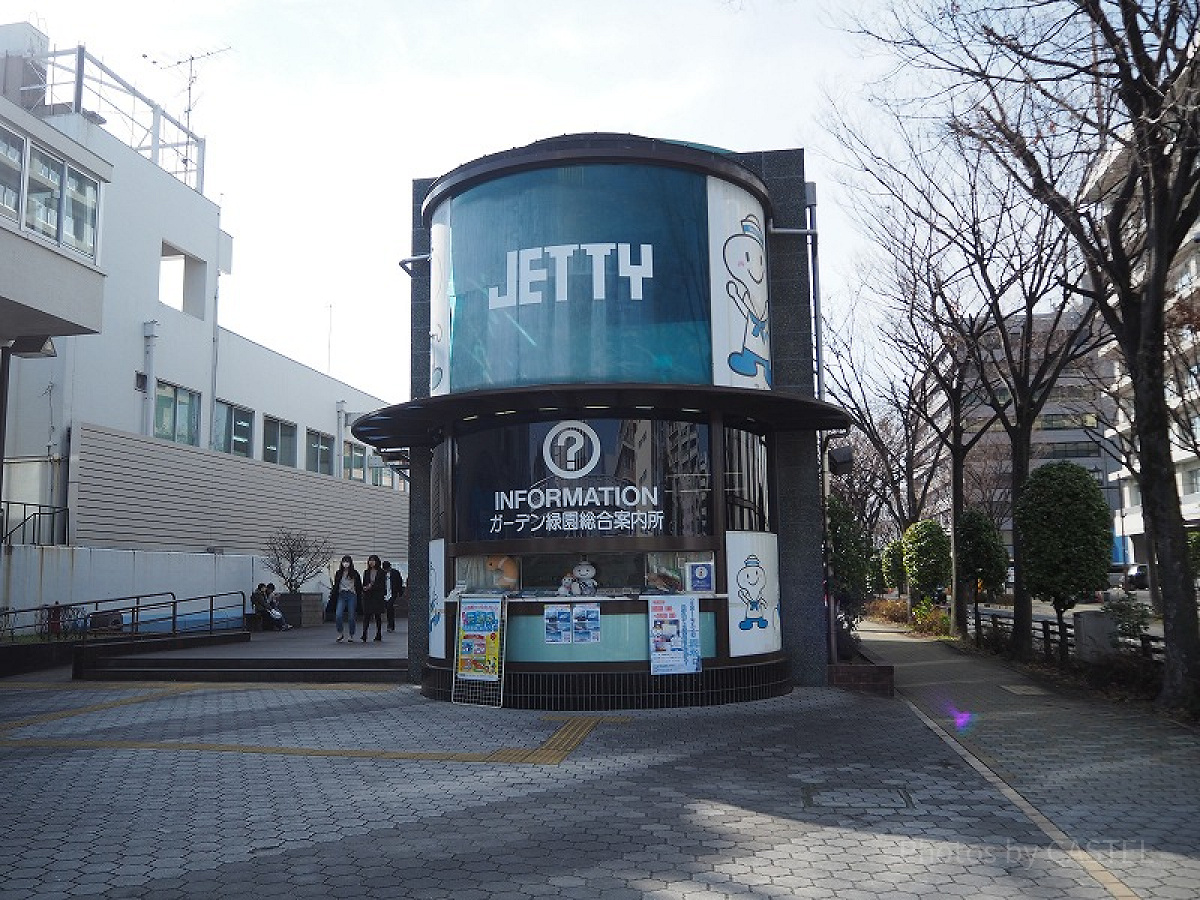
[589,691]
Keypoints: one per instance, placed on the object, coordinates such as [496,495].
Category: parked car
[1137,577]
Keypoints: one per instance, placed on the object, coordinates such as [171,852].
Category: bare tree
[863,490]
[987,483]
[987,272]
[295,556]
[886,407]
[1093,107]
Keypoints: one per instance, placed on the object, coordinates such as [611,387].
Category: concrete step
[311,674]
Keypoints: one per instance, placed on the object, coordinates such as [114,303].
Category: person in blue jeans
[346,592]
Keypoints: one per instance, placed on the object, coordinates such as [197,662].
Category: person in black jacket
[395,588]
[373,589]
[346,591]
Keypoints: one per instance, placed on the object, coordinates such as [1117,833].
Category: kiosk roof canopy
[425,422]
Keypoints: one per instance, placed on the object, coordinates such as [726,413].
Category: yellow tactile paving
[555,750]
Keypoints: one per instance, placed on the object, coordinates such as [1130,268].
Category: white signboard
[753,592]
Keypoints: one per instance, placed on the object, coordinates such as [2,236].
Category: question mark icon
[572,442]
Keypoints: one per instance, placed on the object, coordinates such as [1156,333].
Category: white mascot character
[746,261]
[752,581]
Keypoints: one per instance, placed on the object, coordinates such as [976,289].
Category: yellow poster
[479,640]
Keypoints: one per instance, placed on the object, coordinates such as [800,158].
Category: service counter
[607,663]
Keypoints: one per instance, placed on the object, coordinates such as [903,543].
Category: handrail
[40,513]
[73,621]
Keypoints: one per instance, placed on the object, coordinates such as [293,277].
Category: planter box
[302,610]
[869,679]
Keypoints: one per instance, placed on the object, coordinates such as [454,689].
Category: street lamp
[27,347]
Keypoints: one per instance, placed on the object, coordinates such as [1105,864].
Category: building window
[380,473]
[44,193]
[1191,480]
[319,452]
[61,203]
[177,414]
[354,461]
[1067,450]
[1065,421]
[80,209]
[745,481]
[279,442]
[12,171]
[232,428]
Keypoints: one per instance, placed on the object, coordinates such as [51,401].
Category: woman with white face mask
[346,591]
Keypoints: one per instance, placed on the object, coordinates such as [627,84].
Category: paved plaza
[976,782]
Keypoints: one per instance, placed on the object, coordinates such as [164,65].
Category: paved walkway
[245,791]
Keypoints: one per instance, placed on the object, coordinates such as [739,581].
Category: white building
[156,451]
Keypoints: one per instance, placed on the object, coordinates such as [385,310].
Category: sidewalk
[1117,781]
[248,792]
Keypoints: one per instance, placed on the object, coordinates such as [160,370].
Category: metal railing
[35,524]
[119,618]
[996,630]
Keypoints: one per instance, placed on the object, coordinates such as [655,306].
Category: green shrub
[930,619]
[888,609]
[926,557]
[1132,616]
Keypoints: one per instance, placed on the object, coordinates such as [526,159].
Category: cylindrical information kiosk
[601,413]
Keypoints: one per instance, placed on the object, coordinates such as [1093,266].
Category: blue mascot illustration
[751,582]
[435,605]
[746,260]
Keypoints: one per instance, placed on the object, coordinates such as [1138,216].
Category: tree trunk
[1021,645]
[959,584]
[1160,506]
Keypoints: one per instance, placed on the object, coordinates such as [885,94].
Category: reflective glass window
[583,479]
[80,206]
[279,441]
[745,481]
[232,426]
[12,168]
[43,194]
[318,452]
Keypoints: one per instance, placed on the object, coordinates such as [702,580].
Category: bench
[109,622]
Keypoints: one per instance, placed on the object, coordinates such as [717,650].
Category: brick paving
[259,791]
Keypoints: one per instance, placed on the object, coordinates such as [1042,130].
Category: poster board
[674,633]
[479,652]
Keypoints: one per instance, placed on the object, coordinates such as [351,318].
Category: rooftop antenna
[190,60]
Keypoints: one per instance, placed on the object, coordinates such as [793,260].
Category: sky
[319,115]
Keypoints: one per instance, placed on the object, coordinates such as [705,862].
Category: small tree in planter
[1066,530]
[982,559]
[891,560]
[295,557]
[850,561]
[926,558]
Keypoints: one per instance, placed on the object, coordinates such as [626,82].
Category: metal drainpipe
[149,338]
[339,446]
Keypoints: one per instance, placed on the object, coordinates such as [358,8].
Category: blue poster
[674,634]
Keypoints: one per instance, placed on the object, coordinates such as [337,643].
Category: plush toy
[505,573]
[568,586]
[585,579]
